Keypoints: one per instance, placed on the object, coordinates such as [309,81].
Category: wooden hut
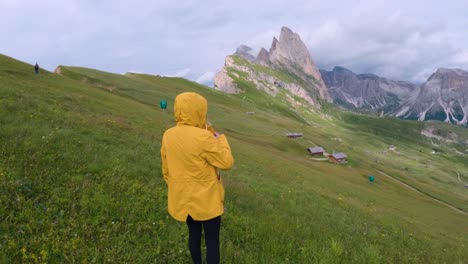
[315,151]
[338,158]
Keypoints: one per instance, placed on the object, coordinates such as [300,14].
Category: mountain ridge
[287,66]
[365,91]
[443,97]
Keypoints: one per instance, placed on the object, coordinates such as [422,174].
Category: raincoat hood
[190,109]
[190,157]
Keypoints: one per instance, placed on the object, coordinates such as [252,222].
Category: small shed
[294,135]
[316,151]
[337,158]
[392,147]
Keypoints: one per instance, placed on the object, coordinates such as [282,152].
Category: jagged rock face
[244,51]
[265,82]
[291,53]
[444,96]
[263,57]
[365,90]
[274,44]
[223,82]
[288,65]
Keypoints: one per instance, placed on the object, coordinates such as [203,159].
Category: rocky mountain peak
[447,73]
[274,43]
[290,68]
[451,71]
[449,78]
[291,50]
[341,69]
[367,90]
[286,30]
[444,96]
[263,56]
[291,53]
[244,51]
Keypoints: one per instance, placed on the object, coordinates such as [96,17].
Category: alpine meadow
[81,180]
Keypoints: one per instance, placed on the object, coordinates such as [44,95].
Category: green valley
[80,176]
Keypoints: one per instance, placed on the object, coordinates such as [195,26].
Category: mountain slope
[365,91]
[286,67]
[81,181]
[444,97]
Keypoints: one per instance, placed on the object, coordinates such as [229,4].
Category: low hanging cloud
[180,73]
[135,72]
[206,78]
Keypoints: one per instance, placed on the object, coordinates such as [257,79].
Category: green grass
[281,73]
[80,177]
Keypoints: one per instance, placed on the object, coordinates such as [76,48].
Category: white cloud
[461,57]
[399,39]
[206,78]
[136,72]
[391,45]
[179,73]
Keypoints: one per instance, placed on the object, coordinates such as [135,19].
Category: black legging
[211,228]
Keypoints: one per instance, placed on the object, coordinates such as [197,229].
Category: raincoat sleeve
[164,163]
[217,152]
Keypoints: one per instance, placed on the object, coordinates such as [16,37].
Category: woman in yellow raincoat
[191,152]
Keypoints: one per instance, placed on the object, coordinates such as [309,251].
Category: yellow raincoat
[190,154]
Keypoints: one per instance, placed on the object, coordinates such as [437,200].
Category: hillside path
[416,190]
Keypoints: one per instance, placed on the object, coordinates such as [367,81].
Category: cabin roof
[315,149]
[339,155]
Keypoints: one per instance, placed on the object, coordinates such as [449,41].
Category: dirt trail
[416,190]
[319,159]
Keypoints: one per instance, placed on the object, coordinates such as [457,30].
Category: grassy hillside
[80,177]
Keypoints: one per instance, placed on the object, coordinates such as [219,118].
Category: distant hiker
[36,68]
[191,152]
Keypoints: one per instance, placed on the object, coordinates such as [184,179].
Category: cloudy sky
[406,40]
